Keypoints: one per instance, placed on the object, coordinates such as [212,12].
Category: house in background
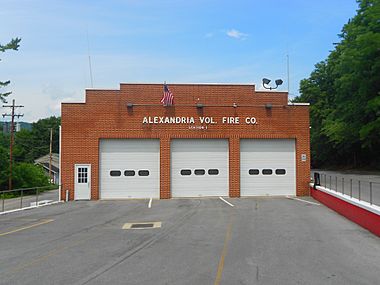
[44,162]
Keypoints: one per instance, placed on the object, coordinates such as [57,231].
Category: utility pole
[50,154]
[12,115]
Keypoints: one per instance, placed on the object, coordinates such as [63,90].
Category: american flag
[167,98]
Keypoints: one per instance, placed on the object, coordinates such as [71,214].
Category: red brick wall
[105,115]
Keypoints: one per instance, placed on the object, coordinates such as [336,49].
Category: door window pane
[280,171]
[82,175]
[185,172]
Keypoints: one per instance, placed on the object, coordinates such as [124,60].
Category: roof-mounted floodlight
[266,81]
[279,82]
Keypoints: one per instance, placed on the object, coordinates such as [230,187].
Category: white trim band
[298,104]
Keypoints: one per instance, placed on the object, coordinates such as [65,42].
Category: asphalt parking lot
[200,241]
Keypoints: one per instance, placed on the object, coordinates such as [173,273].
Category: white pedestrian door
[82,189]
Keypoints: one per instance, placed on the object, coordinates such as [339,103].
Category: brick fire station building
[215,140]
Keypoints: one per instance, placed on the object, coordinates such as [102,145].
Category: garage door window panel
[280,171]
[185,172]
[267,171]
[129,173]
[254,172]
[143,172]
[199,172]
[115,173]
[213,172]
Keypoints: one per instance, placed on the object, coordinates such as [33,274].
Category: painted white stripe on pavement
[226,201]
[294,198]
[150,203]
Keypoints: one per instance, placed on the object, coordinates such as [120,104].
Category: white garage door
[267,167]
[129,168]
[199,167]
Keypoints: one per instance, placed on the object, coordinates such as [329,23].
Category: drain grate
[145,225]
[140,226]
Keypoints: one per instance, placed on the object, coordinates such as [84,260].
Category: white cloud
[232,33]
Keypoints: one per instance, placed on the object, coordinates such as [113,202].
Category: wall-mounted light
[266,81]
[199,105]
[268,106]
[129,105]
[234,105]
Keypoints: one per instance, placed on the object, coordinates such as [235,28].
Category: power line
[12,115]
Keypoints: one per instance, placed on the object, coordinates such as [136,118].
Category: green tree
[344,91]
[4,167]
[40,137]
[14,44]
[26,175]
[28,146]
[22,146]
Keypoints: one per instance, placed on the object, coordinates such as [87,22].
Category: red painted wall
[362,217]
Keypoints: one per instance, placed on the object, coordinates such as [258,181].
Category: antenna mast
[89,61]
[287,68]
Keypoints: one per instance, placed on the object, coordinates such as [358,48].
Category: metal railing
[363,190]
[28,197]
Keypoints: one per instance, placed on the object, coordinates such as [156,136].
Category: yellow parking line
[26,227]
[223,255]
[51,253]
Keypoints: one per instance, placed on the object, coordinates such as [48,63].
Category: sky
[146,41]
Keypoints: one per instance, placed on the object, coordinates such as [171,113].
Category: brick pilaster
[165,168]
[234,161]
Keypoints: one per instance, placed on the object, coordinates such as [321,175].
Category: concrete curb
[366,216]
[30,207]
